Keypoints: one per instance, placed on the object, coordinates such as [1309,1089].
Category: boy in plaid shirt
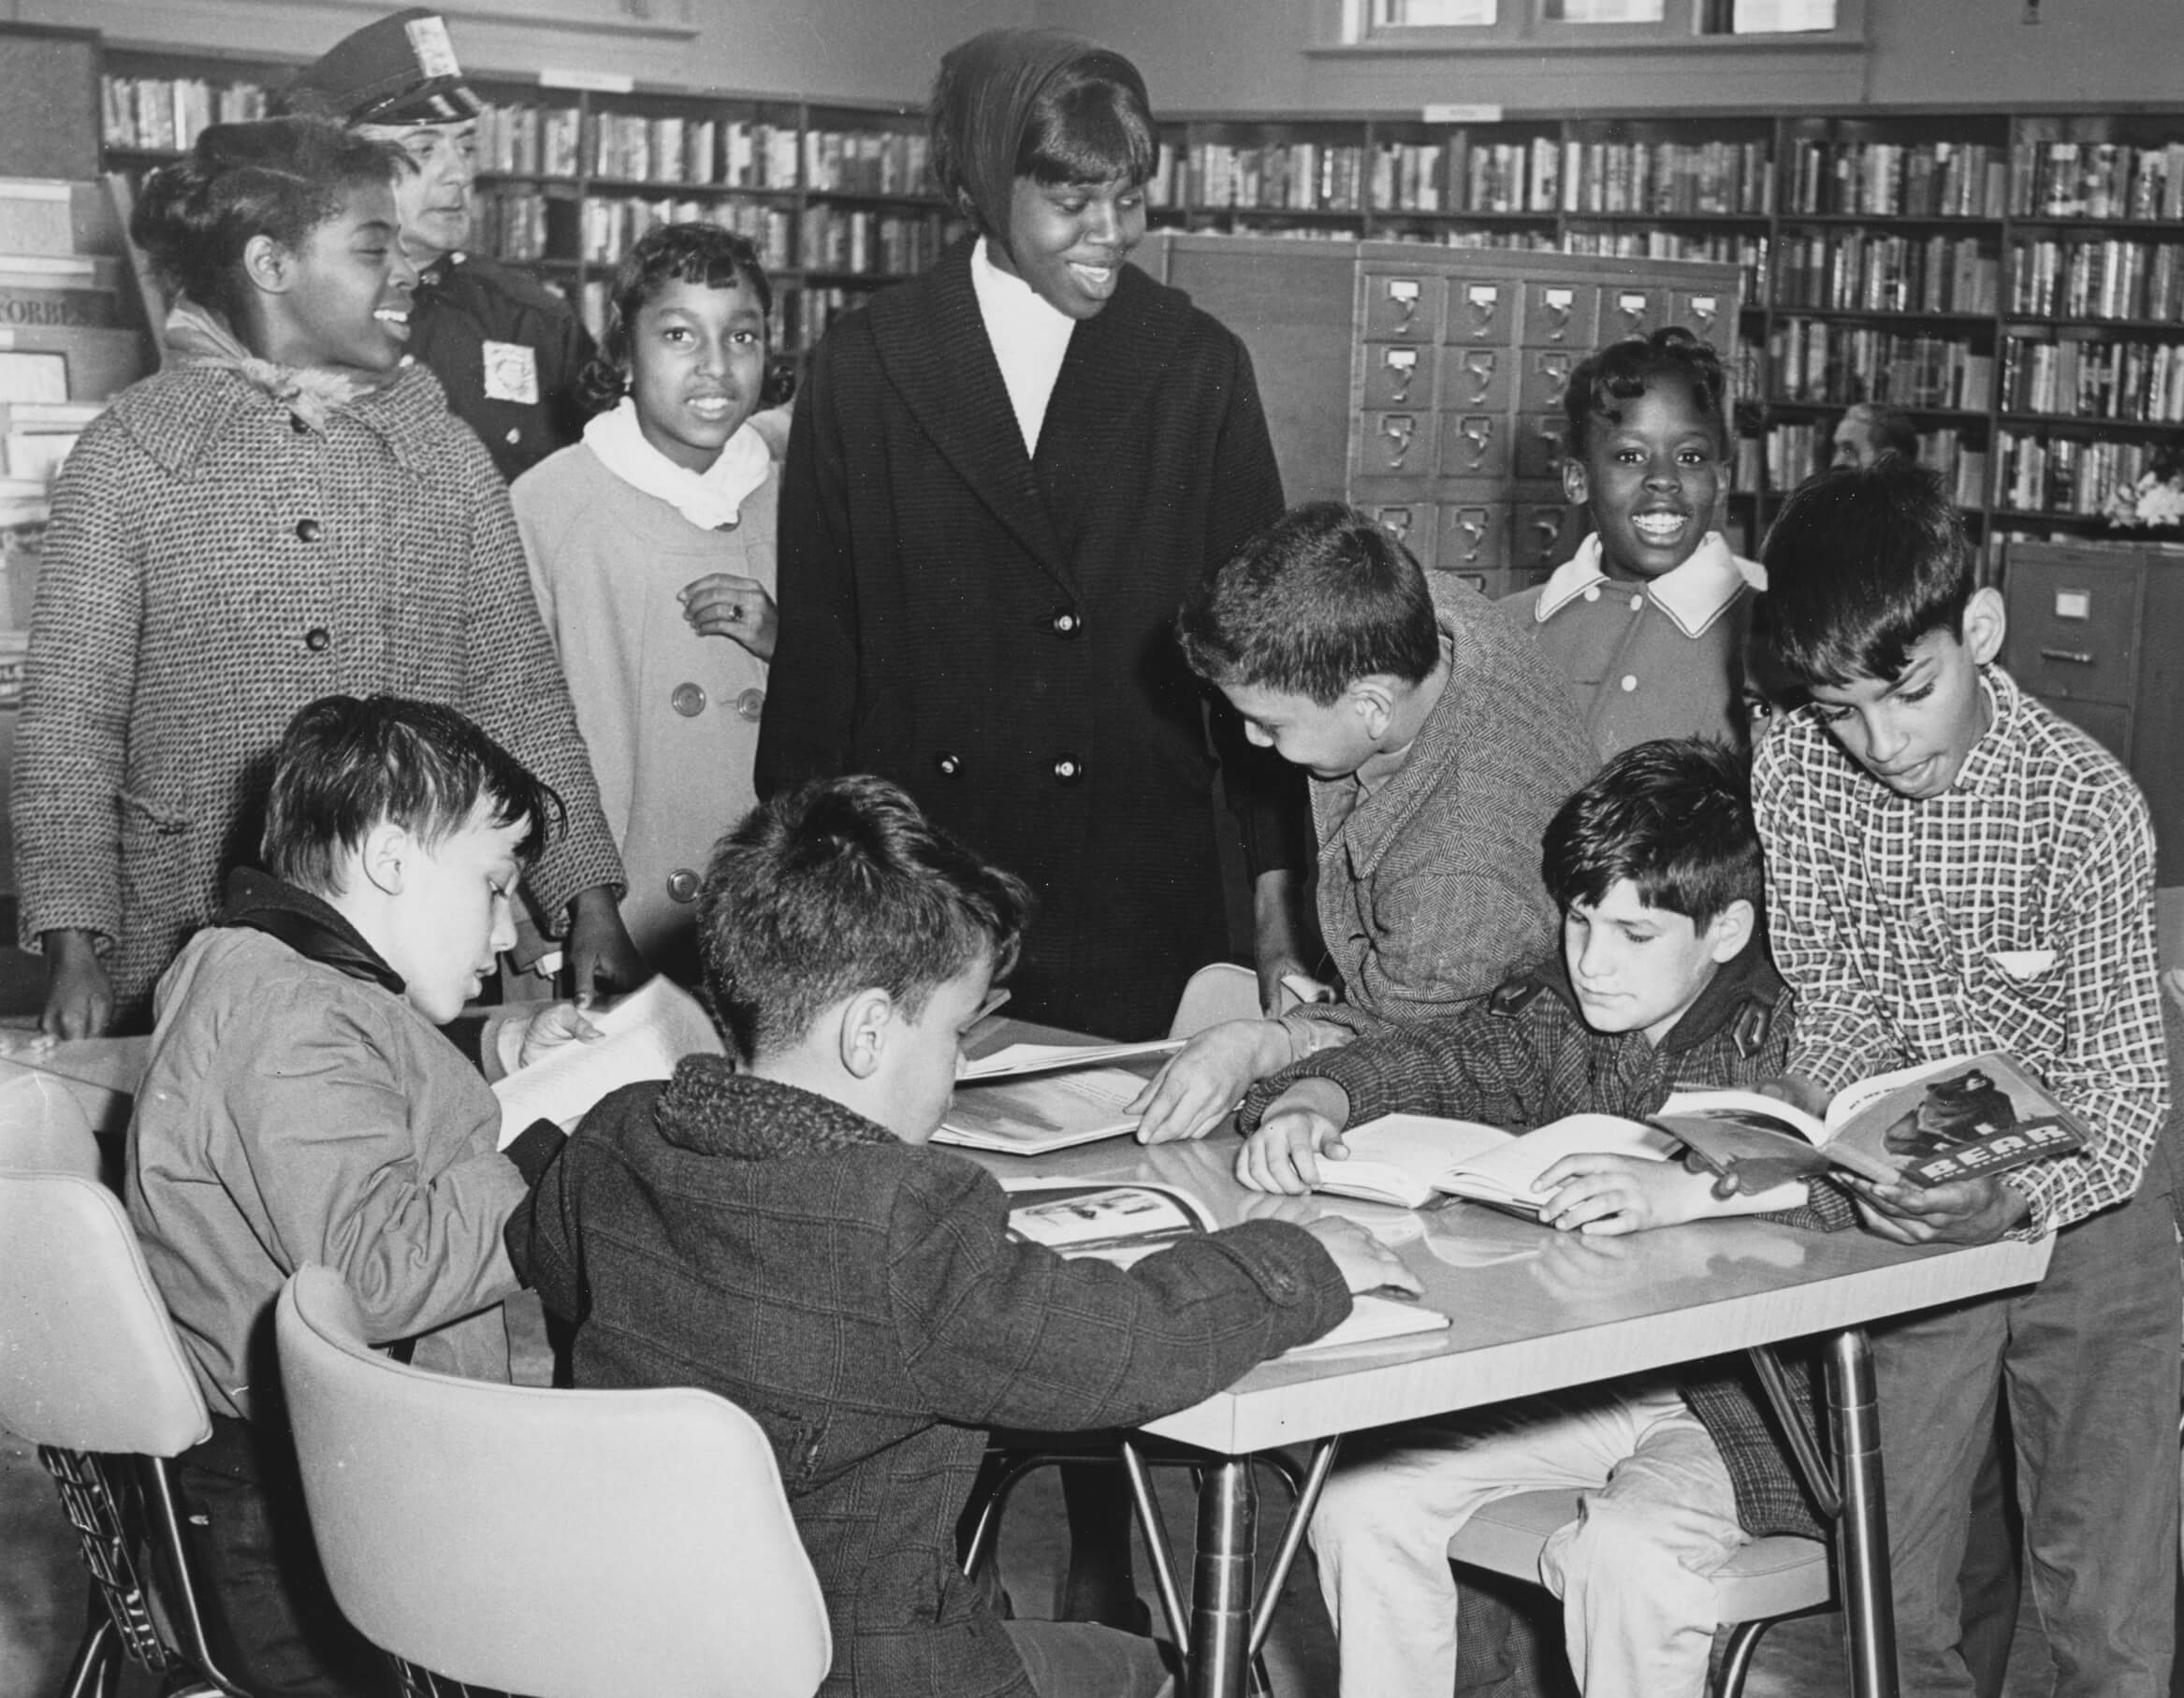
[1953,868]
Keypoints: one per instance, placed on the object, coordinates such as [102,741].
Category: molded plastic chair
[91,1373]
[42,1124]
[561,1543]
[1218,991]
[1768,1580]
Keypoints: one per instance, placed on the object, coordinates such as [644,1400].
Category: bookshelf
[834,195]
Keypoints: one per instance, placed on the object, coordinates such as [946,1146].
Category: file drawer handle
[2074,657]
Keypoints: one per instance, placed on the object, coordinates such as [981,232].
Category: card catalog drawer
[1402,306]
[1398,375]
[1481,311]
[1561,315]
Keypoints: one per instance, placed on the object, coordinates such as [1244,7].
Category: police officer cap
[398,70]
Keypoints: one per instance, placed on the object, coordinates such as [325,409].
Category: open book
[1928,1124]
[1414,1160]
[1124,1223]
[642,1036]
[1030,1115]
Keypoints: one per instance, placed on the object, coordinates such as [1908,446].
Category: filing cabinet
[1425,384]
[2091,629]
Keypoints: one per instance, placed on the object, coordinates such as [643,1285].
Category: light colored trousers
[1634,1570]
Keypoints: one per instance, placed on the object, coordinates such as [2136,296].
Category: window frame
[1523,26]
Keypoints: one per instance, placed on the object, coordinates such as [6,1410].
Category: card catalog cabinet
[1425,384]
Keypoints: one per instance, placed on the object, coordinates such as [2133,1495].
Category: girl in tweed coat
[287,511]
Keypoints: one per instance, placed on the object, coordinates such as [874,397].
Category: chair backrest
[561,1543]
[1218,992]
[89,1359]
[42,1124]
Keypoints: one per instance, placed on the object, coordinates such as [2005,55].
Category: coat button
[690,700]
[682,885]
[751,702]
[317,638]
[947,766]
[297,425]
[1629,682]
[307,531]
[1067,769]
[515,436]
[1067,622]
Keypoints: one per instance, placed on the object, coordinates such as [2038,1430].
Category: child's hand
[1796,1090]
[1366,1263]
[1203,1079]
[1974,1210]
[721,604]
[79,998]
[1604,1195]
[550,1028]
[1302,1125]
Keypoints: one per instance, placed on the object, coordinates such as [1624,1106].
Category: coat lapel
[934,346]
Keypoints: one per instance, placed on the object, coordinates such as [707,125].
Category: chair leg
[96,1670]
[1737,1658]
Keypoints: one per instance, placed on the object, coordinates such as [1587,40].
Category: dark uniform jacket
[1526,1058]
[861,1298]
[471,322]
[993,630]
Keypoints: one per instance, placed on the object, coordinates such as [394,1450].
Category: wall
[864,50]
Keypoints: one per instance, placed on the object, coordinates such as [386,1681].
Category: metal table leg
[1863,1540]
[1222,1588]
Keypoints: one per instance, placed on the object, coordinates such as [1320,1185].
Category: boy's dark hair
[1034,103]
[282,178]
[1674,817]
[1862,565]
[700,254]
[1319,598]
[344,766]
[838,887]
[1625,370]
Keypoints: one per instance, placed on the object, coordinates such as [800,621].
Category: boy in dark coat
[777,1229]
[1663,978]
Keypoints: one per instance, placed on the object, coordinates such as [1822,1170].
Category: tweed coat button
[297,425]
[689,700]
[1067,622]
[1067,769]
[751,702]
[307,531]
[682,885]
[947,764]
[317,638]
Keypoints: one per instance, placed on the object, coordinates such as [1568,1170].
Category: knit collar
[313,928]
[1694,596]
[313,395]
[177,415]
[711,499]
[710,1109]
[1746,978]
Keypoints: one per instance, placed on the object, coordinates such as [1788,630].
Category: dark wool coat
[993,631]
[862,1300]
[1526,1058]
[211,566]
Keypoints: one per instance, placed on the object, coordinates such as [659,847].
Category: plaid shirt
[2014,912]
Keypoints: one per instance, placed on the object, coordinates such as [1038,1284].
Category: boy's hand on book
[559,1023]
[1798,1090]
[1204,1078]
[1364,1262]
[1301,1126]
[1603,1196]
[1962,1212]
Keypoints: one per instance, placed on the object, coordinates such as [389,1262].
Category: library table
[1532,1311]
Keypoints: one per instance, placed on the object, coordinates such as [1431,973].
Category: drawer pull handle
[2074,657]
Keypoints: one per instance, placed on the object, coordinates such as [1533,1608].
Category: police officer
[505,348]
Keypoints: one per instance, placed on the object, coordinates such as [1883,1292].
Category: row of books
[1791,452]
[2090,276]
[630,148]
[2097,180]
[1866,271]
[607,228]
[838,239]
[1747,252]
[1897,179]
[2073,377]
[1815,361]
[162,113]
[514,224]
[867,162]
[2067,474]
[1599,177]
[1304,175]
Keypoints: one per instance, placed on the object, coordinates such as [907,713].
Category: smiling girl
[651,547]
[287,510]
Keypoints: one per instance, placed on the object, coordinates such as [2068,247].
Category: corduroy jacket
[861,1298]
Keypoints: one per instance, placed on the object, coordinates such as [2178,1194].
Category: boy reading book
[301,1105]
[1439,740]
[1956,869]
[1662,978]
[779,1228]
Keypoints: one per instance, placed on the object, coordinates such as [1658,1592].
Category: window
[1765,17]
[1434,14]
[1601,11]
[1584,26]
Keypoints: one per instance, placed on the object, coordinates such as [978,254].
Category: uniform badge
[430,45]
[511,372]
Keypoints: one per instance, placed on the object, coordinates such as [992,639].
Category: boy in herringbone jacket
[1663,978]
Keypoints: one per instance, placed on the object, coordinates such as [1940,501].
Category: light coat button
[1636,602]
[1592,592]
[1067,622]
[682,885]
[1067,769]
[515,436]
[1629,681]
[947,766]
[689,700]
[751,702]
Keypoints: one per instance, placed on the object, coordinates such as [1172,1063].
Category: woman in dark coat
[1001,479]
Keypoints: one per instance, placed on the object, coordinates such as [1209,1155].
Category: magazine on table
[1416,1161]
[1029,1115]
